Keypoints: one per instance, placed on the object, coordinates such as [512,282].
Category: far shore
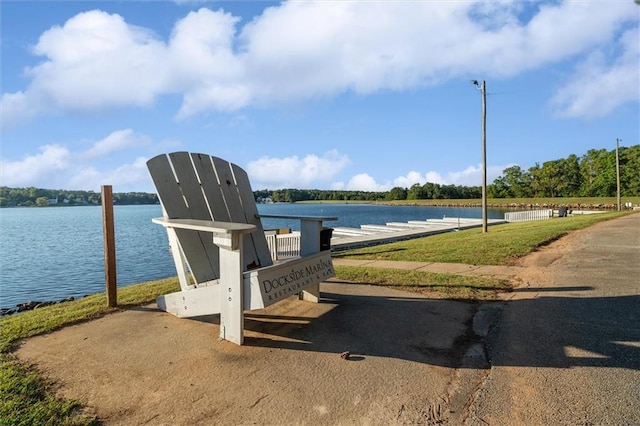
[586,203]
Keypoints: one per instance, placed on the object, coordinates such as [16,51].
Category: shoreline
[34,304]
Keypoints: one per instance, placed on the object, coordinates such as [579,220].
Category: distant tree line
[38,197]
[592,175]
[291,195]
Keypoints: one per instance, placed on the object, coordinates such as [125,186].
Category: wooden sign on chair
[219,246]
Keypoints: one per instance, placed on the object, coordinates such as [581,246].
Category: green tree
[397,193]
[431,190]
[416,192]
[42,201]
[517,181]
[630,171]
[598,170]
[572,176]
[499,188]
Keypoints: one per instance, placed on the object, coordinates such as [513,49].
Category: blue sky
[359,95]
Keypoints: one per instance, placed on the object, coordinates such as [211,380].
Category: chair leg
[310,294]
[231,297]
[310,244]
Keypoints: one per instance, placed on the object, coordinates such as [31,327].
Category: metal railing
[528,215]
[283,246]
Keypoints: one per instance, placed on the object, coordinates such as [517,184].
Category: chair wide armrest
[214,227]
[294,217]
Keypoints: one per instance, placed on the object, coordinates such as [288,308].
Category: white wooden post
[310,244]
[231,289]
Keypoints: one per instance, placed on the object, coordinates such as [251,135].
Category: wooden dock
[345,238]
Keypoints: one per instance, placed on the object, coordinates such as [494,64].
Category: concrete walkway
[144,366]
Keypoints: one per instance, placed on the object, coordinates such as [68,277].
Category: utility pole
[484,157]
[618,171]
[483,90]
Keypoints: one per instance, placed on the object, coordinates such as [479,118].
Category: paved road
[566,349]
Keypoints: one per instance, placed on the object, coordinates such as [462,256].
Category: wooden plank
[171,198]
[310,244]
[205,225]
[167,187]
[229,189]
[211,187]
[190,186]
[193,245]
[288,278]
[203,258]
[296,217]
[235,208]
[191,303]
[231,293]
[108,227]
[251,215]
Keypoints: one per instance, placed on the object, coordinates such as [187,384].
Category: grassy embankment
[27,398]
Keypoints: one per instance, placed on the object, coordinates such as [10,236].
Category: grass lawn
[501,245]
[29,399]
[436,285]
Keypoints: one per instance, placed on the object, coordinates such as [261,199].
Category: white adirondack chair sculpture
[219,246]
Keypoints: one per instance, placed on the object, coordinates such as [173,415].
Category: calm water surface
[52,253]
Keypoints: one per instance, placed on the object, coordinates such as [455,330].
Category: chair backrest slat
[210,186]
[170,176]
[198,186]
[248,201]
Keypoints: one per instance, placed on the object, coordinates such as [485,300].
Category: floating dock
[345,238]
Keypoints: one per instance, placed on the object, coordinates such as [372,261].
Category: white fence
[528,215]
[283,246]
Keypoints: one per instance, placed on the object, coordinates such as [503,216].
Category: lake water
[48,254]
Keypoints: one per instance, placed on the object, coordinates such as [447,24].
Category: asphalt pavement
[566,348]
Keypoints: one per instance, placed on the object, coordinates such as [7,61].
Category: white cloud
[471,176]
[34,169]
[117,141]
[16,108]
[299,50]
[364,182]
[97,60]
[410,179]
[597,87]
[57,167]
[181,2]
[204,66]
[294,172]
[125,178]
